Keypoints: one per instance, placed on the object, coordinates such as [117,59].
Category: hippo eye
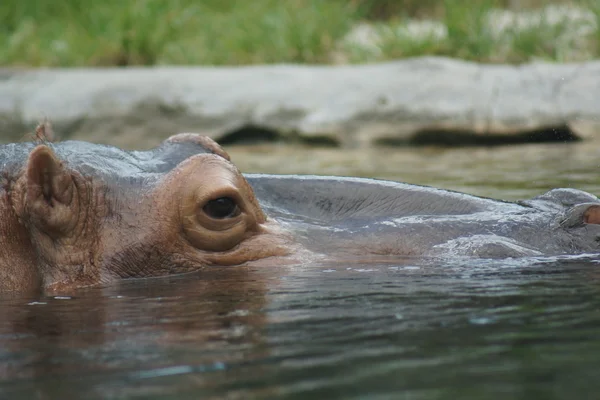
[221,208]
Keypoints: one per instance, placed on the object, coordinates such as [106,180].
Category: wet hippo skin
[76,214]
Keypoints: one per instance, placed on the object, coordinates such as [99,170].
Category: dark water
[397,329]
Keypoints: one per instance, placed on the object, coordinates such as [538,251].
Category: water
[477,329]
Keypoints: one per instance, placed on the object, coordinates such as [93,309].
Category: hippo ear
[204,141]
[50,189]
[44,132]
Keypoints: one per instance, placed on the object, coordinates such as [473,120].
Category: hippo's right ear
[204,141]
[49,191]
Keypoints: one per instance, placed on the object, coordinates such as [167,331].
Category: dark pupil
[220,208]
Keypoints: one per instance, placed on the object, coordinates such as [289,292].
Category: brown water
[479,329]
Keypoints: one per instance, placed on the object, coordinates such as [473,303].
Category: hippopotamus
[74,213]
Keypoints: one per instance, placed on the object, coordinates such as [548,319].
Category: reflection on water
[463,329]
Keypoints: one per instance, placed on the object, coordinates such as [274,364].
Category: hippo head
[74,213]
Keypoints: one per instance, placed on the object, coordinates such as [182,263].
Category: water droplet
[239,313]
[219,366]
[481,320]
[167,371]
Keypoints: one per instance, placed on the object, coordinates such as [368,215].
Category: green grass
[239,32]
[469,37]
[115,32]
[534,42]
[594,6]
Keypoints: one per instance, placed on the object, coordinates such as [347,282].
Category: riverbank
[412,101]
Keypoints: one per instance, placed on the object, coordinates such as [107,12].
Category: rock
[349,105]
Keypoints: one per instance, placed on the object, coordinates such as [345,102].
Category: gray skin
[124,219]
[391,218]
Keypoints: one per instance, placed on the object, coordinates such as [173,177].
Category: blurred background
[75,33]
[65,33]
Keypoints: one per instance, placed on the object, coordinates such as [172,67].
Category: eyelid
[227,192]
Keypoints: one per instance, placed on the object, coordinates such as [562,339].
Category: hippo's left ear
[49,190]
[44,132]
[586,213]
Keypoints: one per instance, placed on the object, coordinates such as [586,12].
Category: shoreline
[349,106]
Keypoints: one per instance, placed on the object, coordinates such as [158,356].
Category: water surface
[389,328]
